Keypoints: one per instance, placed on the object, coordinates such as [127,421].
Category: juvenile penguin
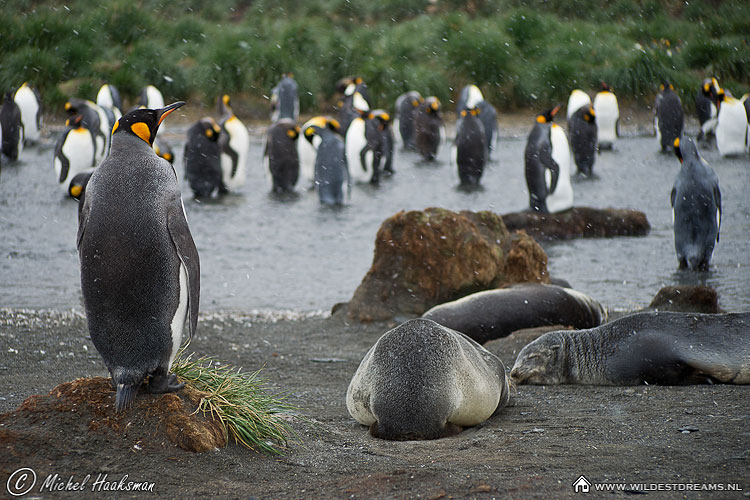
[74,152]
[281,155]
[424,381]
[234,142]
[140,272]
[95,119]
[285,99]
[669,116]
[470,147]
[331,174]
[403,123]
[202,159]
[469,98]
[547,166]
[583,132]
[578,98]
[29,102]
[696,208]
[428,124]
[731,125]
[705,108]
[11,127]
[607,117]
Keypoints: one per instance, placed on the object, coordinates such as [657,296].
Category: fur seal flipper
[667,348]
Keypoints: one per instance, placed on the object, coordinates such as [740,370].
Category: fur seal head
[541,362]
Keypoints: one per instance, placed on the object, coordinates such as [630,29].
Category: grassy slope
[521,53]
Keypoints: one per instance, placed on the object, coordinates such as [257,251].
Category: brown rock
[579,222]
[424,258]
[686,298]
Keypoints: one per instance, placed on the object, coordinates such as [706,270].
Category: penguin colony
[106,158]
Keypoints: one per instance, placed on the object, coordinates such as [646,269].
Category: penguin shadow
[469,188]
[283,197]
[428,164]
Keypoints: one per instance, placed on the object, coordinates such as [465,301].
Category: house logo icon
[581,485]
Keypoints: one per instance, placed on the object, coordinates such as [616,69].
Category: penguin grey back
[670,116]
[427,124]
[286,101]
[331,172]
[583,135]
[283,158]
[471,146]
[538,158]
[12,127]
[406,105]
[202,158]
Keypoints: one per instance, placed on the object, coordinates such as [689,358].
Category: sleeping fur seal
[424,381]
[667,348]
[493,314]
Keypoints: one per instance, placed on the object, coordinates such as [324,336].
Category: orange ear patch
[141,130]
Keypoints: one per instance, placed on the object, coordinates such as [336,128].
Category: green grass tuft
[250,415]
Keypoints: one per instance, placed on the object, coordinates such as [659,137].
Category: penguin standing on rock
[669,116]
[140,271]
[202,158]
[74,152]
[607,117]
[281,155]
[428,124]
[696,208]
[235,144]
[12,128]
[403,122]
[470,147]
[583,132]
[547,166]
[30,104]
[285,99]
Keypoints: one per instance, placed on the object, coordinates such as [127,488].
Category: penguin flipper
[179,232]
[672,197]
[717,200]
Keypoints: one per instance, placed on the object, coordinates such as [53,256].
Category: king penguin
[202,158]
[235,145]
[140,271]
[547,165]
[74,152]
[108,97]
[29,102]
[12,128]
[488,117]
[96,120]
[403,122]
[731,125]
[358,156]
[471,148]
[578,98]
[469,98]
[331,173]
[669,116]
[696,208]
[281,156]
[428,125]
[583,132]
[285,99]
[607,117]
[307,149]
[705,108]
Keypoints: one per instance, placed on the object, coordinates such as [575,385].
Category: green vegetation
[522,53]
[254,418]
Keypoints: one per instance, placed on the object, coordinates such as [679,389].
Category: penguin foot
[161,384]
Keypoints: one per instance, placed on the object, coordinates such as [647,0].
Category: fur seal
[424,381]
[668,348]
[492,314]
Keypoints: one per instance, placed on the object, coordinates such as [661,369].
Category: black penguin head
[224,104]
[144,123]
[666,86]
[209,128]
[589,115]
[315,125]
[74,121]
[604,87]
[432,105]
[293,132]
[473,112]
[685,149]
[677,150]
[78,185]
[548,116]
[381,116]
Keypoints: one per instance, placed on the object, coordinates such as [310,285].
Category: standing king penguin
[428,125]
[285,99]
[280,154]
[547,165]
[234,142]
[731,125]
[12,128]
[30,103]
[140,272]
[583,128]
[74,152]
[403,123]
[669,116]
[607,117]
[696,208]
[470,147]
[705,108]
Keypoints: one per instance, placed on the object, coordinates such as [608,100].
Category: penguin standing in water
[358,156]
[488,117]
[470,147]
[547,166]
[696,208]
[74,152]
[307,149]
[202,158]
[355,102]
[140,271]
[607,117]
[428,124]
[12,128]
[281,155]
[96,120]
[731,125]
[403,122]
[285,99]
[705,108]
[578,99]
[379,146]
[235,144]
[583,133]
[30,104]
[331,174]
[669,116]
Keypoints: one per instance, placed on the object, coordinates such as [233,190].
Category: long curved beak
[166,110]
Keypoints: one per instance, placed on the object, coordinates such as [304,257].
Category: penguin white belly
[562,197]
[397,130]
[180,315]
[658,132]
[355,143]
[29,107]
[79,150]
[731,128]
[607,113]
[104,97]
[307,154]
[474,97]
[239,142]
[103,125]
[577,99]
[154,98]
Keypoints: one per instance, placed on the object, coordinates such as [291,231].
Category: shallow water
[260,252]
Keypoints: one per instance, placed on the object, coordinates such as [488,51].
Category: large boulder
[687,298]
[579,222]
[425,258]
